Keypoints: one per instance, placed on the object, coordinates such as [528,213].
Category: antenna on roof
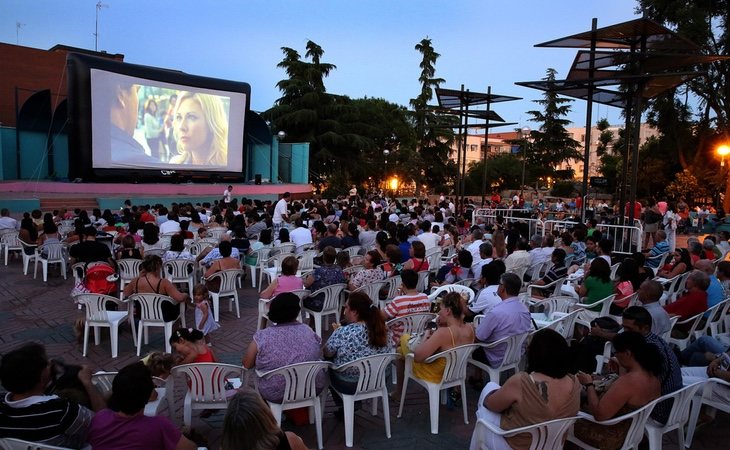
[18,26]
[99,5]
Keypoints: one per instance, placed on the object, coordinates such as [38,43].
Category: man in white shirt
[301,234]
[281,213]
[519,260]
[7,223]
[477,235]
[227,195]
[171,225]
[429,239]
[487,297]
[485,257]
[542,250]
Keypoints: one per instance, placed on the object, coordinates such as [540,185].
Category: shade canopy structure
[626,64]
[459,103]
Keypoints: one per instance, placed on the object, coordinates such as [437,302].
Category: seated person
[660,247]
[226,261]
[28,412]
[286,282]
[679,263]
[597,284]
[487,297]
[694,301]
[557,271]
[327,274]
[636,386]
[124,423]
[547,391]
[150,282]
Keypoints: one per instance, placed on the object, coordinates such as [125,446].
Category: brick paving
[31,310]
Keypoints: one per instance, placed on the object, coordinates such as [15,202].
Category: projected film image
[138,123]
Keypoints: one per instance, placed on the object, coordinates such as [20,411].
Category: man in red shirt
[637,209]
[695,300]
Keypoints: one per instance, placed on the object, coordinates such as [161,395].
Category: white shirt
[227,196]
[279,211]
[473,248]
[171,226]
[300,236]
[429,239]
[486,300]
[8,223]
[519,259]
[476,267]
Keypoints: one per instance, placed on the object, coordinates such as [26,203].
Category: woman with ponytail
[364,335]
[638,385]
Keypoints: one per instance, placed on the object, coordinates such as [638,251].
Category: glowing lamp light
[723,151]
[393,183]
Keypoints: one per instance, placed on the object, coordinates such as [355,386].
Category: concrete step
[87,203]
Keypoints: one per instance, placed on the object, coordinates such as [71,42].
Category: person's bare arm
[97,400]
[430,346]
[504,397]
[172,292]
[269,291]
[249,359]
[612,401]
[295,442]
[185,444]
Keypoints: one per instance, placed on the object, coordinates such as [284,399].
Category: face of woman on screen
[192,130]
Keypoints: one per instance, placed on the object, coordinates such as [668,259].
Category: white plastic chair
[705,396]
[300,390]
[29,254]
[372,290]
[353,250]
[306,261]
[370,384]
[272,268]
[262,255]
[155,251]
[197,247]
[463,290]
[10,242]
[228,288]
[678,416]
[545,435]
[151,316]
[128,270]
[422,285]
[681,284]
[635,433]
[330,305]
[659,259]
[586,315]
[180,271]
[411,323]
[263,314]
[206,387]
[513,350]
[305,247]
[433,255]
[393,285]
[716,318]
[695,330]
[564,323]
[19,444]
[55,254]
[98,316]
[454,375]
[535,271]
[550,288]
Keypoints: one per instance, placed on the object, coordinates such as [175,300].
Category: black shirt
[90,251]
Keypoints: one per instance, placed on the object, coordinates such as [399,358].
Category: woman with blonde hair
[201,130]
[249,424]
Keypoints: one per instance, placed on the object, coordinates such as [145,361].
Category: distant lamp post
[393,183]
[281,134]
[525,134]
[723,151]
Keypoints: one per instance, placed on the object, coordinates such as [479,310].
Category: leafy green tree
[686,184]
[551,143]
[605,137]
[503,172]
[432,131]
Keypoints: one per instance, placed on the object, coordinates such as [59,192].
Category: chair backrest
[331,296]
[286,247]
[433,255]
[300,380]
[672,322]
[545,436]
[536,270]
[103,381]
[565,323]
[456,360]
[468,282]
[78,271]
[716,317]
[353,250]
[372,290]
[96,304]
[129,268]
[681,401]
[513,349]
[178,269]
[520,271]
[422,285]
[53,251]
[151,306]
[371,371]
[411,323]
[306,260]
[19,444]
[448,252]
[228,279]
[477,320]
[681,284]
[305,247]
[463,290]
[208,380]
[155,251]
[393,284]
[216,233]
[353,269]
[12,240]
[199,246]
[558,303]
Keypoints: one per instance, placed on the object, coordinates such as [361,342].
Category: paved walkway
[31,310]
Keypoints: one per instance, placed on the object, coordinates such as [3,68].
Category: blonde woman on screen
[201,130]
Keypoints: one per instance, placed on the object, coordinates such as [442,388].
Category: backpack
[96,279]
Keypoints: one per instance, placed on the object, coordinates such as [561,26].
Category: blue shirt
[659,248]
[715,293]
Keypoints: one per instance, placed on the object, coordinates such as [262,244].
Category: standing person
[227,195]
[281,213]
[204,321]
[353,195]
[670,221]
[124,424]
[152,127]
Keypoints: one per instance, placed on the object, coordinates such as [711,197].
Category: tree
[686,184]
[605,137]
[551,144]
[503,172]
[432,132]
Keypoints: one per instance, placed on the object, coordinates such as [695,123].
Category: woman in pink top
[287,281]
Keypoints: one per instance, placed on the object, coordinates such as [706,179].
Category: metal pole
[589,114]
[486,143]
[463,159]
[636,135]
[458,154]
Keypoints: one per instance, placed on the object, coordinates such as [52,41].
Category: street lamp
[525,133]
[723,150]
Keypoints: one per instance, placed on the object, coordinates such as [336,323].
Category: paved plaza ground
[31,310]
